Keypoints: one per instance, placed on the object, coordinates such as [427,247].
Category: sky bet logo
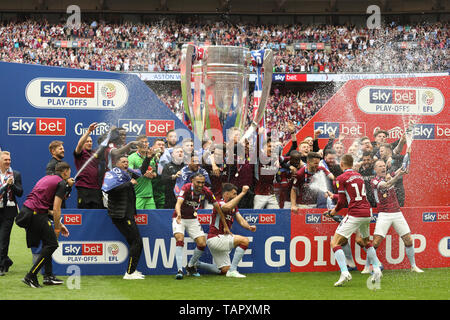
[428,131]
[349,129]
[436,217]
[151,128]
[392,96]
[68,89]
[82,249]
[36,126]
[266,218]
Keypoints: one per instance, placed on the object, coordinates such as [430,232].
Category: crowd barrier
[283,242]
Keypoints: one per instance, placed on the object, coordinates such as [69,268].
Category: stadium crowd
[157,46]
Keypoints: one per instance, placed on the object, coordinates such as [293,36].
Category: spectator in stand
[87,182]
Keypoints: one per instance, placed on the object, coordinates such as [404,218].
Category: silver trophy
[215,88]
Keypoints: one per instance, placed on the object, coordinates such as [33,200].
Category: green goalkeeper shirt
[144,187]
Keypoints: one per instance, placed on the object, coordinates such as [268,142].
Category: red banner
[311,234]
[361,107]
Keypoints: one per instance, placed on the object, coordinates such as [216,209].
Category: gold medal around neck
[195,213]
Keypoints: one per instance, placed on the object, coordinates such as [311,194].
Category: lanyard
[201,197]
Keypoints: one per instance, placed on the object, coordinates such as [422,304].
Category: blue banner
[41,104]
[97,248]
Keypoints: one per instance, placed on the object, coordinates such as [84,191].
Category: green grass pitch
[433,284]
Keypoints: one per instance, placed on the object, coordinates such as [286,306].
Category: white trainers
[136,275]
[416,269]
[376,277]
[345,277]
[235,274]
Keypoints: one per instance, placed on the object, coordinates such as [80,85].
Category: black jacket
[166,178]
[16,188]
[122,199]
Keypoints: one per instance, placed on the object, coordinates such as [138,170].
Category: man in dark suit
[10,188]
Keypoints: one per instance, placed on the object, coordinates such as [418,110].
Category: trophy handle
[267,82]
[187,53]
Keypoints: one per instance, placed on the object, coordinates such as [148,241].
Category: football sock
[372,257]
[197,254]
[238,254]
[410,255]
[179,257]
[348,255]
[211,268]
[367,259]
[340,258]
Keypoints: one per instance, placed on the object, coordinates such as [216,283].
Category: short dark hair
[380,131]
[171,130]
[328,151]
[363,138]
[61,166]
[158,139]
[367,154]
[347,159]
[54,144]
[313,155]
[197,174]
[227,187]
[140,137]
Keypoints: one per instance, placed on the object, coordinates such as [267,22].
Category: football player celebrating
[389,213]
[221,244]
[190,200]
[351,189]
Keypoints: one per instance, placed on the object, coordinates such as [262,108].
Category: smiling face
[122,163]
[58,152]
[198,182]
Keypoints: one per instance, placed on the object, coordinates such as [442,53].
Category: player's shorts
[387,219]
[191,226]
[265,201]
[351,224]
[220,247]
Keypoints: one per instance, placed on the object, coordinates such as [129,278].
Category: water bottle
[405,162]
[330,204]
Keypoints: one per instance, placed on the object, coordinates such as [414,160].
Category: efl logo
[349,129]
[72,219]
[68,89]
[36,126]
[204,218]
[141,219]
[83,249]
[393,96]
